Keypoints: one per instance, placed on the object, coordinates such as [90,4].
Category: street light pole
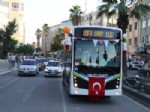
[45,45]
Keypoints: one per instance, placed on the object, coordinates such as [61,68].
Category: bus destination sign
[98,33]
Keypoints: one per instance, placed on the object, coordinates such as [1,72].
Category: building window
[94,17]
[130,42]
[147,38]
[135,41]
[130,27]
[15,5]
[22,7]
[142,39]
[148,22]
[136,25]
[144,24]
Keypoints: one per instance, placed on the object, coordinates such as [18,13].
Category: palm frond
[140,10]
[102,9]
[110,1]
[121,7]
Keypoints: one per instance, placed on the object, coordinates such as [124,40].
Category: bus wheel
[107,97]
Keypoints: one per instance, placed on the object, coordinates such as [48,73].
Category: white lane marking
[63,97]
[28,94]
[2,87]
[140,105]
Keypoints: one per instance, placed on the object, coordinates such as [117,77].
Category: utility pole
[85,6]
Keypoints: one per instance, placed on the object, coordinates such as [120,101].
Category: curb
[137,95]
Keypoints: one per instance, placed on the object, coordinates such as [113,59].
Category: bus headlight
[117,86]
[75,85]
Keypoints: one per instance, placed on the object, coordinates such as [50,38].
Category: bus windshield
[88,54]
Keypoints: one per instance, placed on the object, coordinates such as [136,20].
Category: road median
[137,95]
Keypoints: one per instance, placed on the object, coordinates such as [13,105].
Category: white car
[53,68]
[28,67]
[134,65]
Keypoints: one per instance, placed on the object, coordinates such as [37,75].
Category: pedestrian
[9,60]
[18,60]
[13,57]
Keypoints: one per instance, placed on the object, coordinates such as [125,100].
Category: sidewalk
[4,67]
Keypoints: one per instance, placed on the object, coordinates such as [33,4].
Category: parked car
[28,67]
[53,68]
[145,70]
[134,65]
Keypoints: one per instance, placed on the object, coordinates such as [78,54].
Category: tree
[75,15]
[7,33]
[56,44]
[25,49]
[123,9]
[45,31]
[13,45]
[38,36]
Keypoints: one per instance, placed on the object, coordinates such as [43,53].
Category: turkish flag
[96,86]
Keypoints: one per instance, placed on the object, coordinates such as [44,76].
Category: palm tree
[38,36]
[123,10]
[75,15]
[45,32]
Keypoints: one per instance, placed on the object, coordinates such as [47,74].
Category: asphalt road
[40,94]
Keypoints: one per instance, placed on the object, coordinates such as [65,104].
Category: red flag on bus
[96,86]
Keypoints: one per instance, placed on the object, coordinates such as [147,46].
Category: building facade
[145,32]
[4,13]
[133,33]
[90,19]
[45,41]
[10,10]
[16,11]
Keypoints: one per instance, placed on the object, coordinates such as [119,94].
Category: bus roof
[95,26]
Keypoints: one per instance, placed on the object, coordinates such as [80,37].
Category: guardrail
[138,88]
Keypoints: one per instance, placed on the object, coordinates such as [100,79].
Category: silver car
[28,67]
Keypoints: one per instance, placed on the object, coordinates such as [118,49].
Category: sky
[51,12]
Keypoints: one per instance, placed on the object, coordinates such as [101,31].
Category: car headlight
[46,70]
[60,70]
[137,76]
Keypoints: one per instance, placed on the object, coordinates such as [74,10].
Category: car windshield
[135,62]
[29,62]
[53,64]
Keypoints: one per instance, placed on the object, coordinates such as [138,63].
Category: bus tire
[107,97]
